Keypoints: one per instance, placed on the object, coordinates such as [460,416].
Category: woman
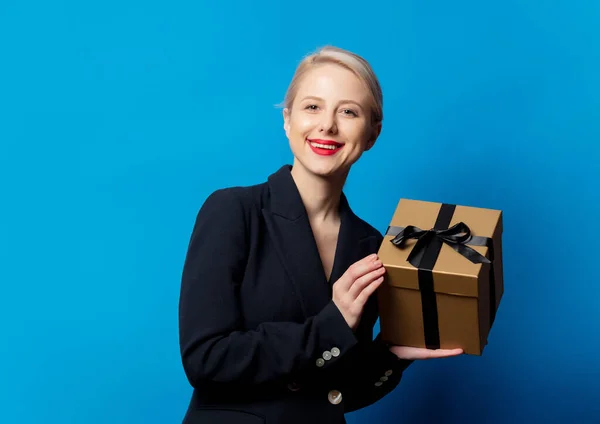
[276,306]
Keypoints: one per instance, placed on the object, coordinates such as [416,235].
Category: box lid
[452,272]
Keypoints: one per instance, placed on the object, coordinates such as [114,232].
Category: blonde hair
[351,61]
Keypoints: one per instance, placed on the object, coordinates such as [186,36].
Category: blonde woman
[276,306]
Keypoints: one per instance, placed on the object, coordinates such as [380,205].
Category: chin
[321,168]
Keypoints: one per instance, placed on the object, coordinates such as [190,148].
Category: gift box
[444,279]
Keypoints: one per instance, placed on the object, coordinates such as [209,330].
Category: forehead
[332,82]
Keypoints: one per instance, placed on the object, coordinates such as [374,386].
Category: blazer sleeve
[214,346]
[376,374]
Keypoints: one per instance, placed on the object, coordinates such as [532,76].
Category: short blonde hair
[351,61]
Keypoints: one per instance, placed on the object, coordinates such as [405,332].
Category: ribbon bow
[457,237]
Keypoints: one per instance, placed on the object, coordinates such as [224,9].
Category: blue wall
[118,119]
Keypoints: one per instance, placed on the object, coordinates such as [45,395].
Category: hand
[408,352]
[352,290]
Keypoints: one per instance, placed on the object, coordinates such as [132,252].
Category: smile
[324,147]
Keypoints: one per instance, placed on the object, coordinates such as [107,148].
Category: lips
[324,147]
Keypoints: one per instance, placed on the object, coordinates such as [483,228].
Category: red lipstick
[324,147]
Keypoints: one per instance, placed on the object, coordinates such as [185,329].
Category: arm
[213,345]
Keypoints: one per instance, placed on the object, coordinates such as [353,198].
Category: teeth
[323,146]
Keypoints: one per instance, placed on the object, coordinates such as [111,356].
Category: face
[329,123]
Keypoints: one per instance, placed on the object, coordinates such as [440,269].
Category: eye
[349,112]
[311,107]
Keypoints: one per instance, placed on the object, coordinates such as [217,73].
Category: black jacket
[261,340]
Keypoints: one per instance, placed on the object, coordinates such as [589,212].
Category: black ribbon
[456,237]
[424,256]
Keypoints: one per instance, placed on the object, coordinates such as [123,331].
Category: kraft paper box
[444,277]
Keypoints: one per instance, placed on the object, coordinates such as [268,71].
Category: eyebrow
[341,101]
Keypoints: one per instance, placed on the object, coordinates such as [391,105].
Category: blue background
[117,120]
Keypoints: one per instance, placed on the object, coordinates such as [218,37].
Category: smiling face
[329,124]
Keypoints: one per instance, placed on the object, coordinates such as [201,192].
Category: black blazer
[261,340]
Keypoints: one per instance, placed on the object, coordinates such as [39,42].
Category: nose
[328,123]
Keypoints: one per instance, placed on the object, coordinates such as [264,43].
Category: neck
[320,195]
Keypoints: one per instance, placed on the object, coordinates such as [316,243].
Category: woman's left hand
[411,353]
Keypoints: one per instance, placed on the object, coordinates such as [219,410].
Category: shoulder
[361,225]
[226,216]
[373,231]
[234,200]
[370,230]
[242,196]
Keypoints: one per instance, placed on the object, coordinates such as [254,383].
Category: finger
[366,260]
[408,352]
[440,353]
[358,270]
[364,295]
[364,266]
[359,285]
[369,258]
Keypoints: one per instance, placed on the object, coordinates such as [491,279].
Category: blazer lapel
[287,223]
[290,230]
[354,241]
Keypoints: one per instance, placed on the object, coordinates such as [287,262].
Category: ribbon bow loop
[456,237]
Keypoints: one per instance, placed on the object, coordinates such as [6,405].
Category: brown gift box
[432,295]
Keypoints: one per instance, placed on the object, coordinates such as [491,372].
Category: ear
[286,121]
[374,135]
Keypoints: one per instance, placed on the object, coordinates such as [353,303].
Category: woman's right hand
[353,289]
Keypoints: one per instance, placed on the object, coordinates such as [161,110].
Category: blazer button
[320,362]
[335,352]
[335,397]
[388,373]
[327,355]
